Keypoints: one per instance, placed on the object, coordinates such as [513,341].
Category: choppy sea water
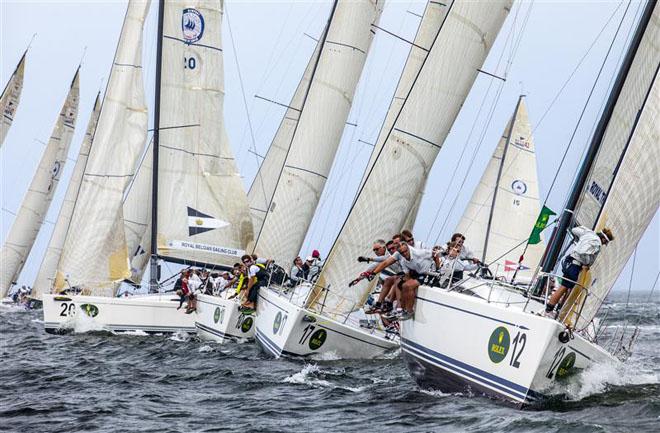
[102,382]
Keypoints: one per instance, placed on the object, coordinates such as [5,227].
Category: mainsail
[95,253]
[623,189]
[46,274]
[11,95]
[37,200]
[264,183]
[317,134]
[202,211]
[399,172]
[503,209]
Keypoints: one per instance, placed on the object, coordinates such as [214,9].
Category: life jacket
[239,286]
[262,275]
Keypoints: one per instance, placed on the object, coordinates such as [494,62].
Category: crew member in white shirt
[582,256]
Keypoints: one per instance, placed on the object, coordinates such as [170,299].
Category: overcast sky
[273,50]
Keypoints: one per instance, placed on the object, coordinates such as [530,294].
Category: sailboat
[326,319]
[505,204]
[30,216]
[198,213]
[10,98]
[287,188]
[485,336]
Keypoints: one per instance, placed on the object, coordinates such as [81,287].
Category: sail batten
[316,136]
[10,98]
[405,159]
[95,255]
[36,202]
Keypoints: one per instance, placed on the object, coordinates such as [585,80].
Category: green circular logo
[90,310]
[566,365]
[216,315]
[498,344]
[277,322]
[317,339]
[247,324]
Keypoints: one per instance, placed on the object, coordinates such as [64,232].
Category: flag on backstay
[541,224]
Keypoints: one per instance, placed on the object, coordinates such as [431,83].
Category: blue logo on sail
[192,25]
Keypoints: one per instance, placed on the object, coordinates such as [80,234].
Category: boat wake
[312,375]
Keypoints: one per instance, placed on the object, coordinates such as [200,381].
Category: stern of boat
[219,320]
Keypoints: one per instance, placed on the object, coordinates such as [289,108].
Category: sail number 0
[189,63]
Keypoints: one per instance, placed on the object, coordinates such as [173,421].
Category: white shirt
[466,253]
[420,261]
[194,282]
[252,272]
[587,247]
[449,265]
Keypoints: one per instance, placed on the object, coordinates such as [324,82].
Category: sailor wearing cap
[582,256]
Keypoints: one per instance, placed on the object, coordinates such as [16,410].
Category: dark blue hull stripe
[121,328]
[215,332]
[482,377]
[268,344]
[355,338]
[472,313]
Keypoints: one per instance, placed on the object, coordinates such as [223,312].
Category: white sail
[203,214]
[432,19]
[37,200]
[46,275]
[10,98]
[137,215]
[263,186]
[401,167]
[95,254]
[625,177]
[319,130]
[516,206]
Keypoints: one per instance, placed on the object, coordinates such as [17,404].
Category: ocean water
[95,381]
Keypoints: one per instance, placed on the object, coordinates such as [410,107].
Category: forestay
[95,254]
[623,190]
[36,202]
[263,186]
[319,130]
[10,98]
[516,203]
[203,214]
[137,215]
[419,130]
[46,275]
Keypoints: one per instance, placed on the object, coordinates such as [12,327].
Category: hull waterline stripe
[464,369]
[473,313]
[355,338]
[268,344]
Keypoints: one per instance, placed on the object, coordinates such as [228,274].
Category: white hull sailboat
[155,313]
[417,124]
[487,337]
[286,328]
[491,343]
[219,319]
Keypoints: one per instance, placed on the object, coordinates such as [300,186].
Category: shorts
[570,271]
[253,294]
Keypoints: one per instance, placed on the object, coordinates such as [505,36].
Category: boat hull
[463,343]
[148,313]
[219,320]
[286,329]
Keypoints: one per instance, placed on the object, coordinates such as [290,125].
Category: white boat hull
[462,343]
[219,320]
[148,313]
[286,329]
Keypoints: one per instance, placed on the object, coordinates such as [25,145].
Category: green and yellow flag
[541,223]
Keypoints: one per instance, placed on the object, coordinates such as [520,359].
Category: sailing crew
[299,271]
[416,263]
[466,253]
[582,256]
[315,265]
[257,277]
[407,237]
[452,266]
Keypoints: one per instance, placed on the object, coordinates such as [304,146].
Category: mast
[557,240]
[499,177]
[153,274]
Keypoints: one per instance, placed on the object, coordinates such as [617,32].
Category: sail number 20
[67,309]
[518,347]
